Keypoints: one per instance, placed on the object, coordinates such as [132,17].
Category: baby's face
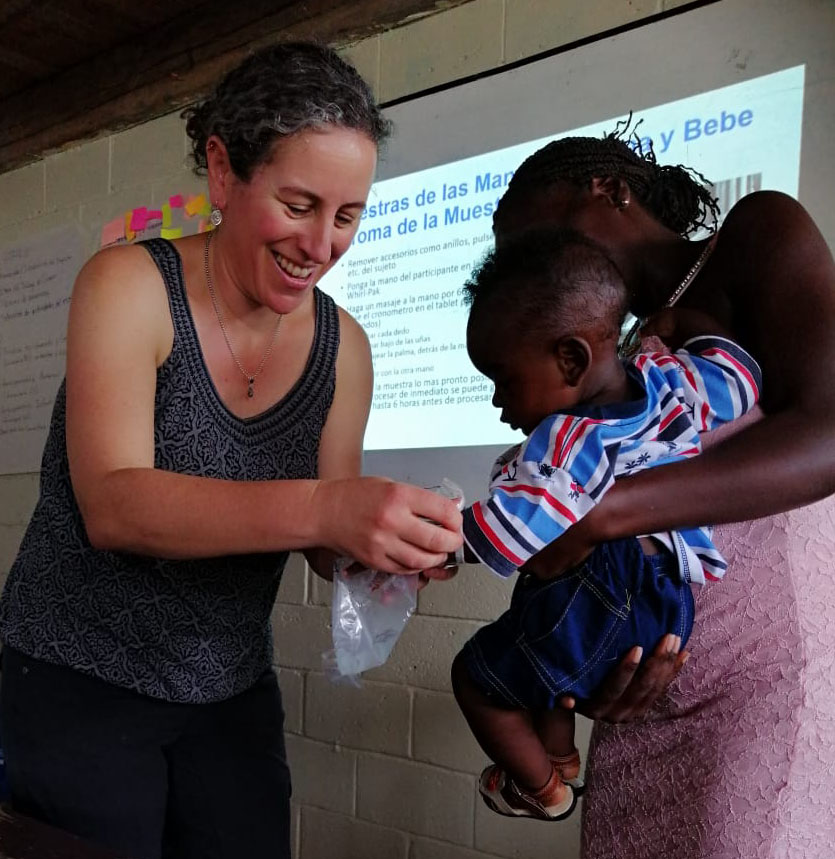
[529,383]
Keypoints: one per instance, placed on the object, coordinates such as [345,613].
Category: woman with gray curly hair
[211,420]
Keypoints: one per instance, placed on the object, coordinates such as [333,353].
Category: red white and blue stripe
[542,487]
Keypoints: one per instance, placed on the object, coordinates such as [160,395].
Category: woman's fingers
[607,701]
[632,688]
[388,526]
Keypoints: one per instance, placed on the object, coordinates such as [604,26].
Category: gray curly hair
[275,93]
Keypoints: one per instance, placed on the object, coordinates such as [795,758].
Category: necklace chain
[692,272]
[630,343]
[250,377]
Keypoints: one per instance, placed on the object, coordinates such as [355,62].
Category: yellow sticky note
[195,205]
[166,215]
[171,232]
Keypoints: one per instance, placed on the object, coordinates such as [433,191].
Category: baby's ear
[573,355]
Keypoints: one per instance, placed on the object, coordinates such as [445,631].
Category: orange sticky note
[130,235]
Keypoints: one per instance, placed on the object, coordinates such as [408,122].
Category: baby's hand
[674,326]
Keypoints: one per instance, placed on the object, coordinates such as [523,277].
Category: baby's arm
[554,479]
[717,380]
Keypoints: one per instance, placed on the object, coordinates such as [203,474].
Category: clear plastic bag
[370,610]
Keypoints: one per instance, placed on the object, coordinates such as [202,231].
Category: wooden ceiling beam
[175,64]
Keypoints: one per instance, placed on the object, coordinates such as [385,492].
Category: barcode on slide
[730,191]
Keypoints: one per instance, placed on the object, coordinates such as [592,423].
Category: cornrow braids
[677,196]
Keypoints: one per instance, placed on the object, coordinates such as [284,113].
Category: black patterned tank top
[182,630]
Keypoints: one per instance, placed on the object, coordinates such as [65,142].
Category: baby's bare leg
[508,737]
[555,729]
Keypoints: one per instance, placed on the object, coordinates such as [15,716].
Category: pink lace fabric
[738,759]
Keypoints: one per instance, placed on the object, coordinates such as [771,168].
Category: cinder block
[334,836]
[537,25]
[22,192]
[184,181]
[415,797]
[374,716]
[475,593]
[424,848]
[293,587]
[423,655]
[441,48]
[301,634]
[18,495]
[78,174]
[292,696]
[295,828]
[97,212]
[155,148]
[441,736]
[321,591]
[322,775]
[525,838]
[365,57]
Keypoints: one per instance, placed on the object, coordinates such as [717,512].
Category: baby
[545,315]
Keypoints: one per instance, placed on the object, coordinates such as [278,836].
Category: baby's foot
[555,801]
[568,767]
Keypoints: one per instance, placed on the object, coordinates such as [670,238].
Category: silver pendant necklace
[250,377]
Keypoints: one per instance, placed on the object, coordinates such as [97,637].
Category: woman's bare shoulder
[352,336]
[765,215]
[120,289]
[119,267]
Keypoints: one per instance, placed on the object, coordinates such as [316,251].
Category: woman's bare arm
[119,332]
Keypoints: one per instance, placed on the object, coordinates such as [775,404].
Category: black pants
[146,777]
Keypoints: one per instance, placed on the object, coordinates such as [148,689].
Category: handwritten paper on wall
[36,279]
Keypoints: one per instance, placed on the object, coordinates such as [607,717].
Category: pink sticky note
[154,214]
[139,217]
[195,205]
[176,201]
[113,231]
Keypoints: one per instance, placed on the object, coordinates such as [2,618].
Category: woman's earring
[216,217]
[623,203]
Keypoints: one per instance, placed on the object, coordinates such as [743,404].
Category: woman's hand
[632,688]
[388,526]
[674,326]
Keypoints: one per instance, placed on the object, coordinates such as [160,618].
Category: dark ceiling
[73,69]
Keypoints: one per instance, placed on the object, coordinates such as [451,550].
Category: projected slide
[422,233]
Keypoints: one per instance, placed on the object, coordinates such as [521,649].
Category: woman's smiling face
[298,214]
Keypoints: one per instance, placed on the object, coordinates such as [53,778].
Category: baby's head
[545,314]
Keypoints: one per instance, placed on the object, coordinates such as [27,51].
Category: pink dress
[738,759]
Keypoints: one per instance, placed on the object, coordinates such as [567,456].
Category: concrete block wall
[388,770]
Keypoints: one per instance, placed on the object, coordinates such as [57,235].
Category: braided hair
[677,196]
